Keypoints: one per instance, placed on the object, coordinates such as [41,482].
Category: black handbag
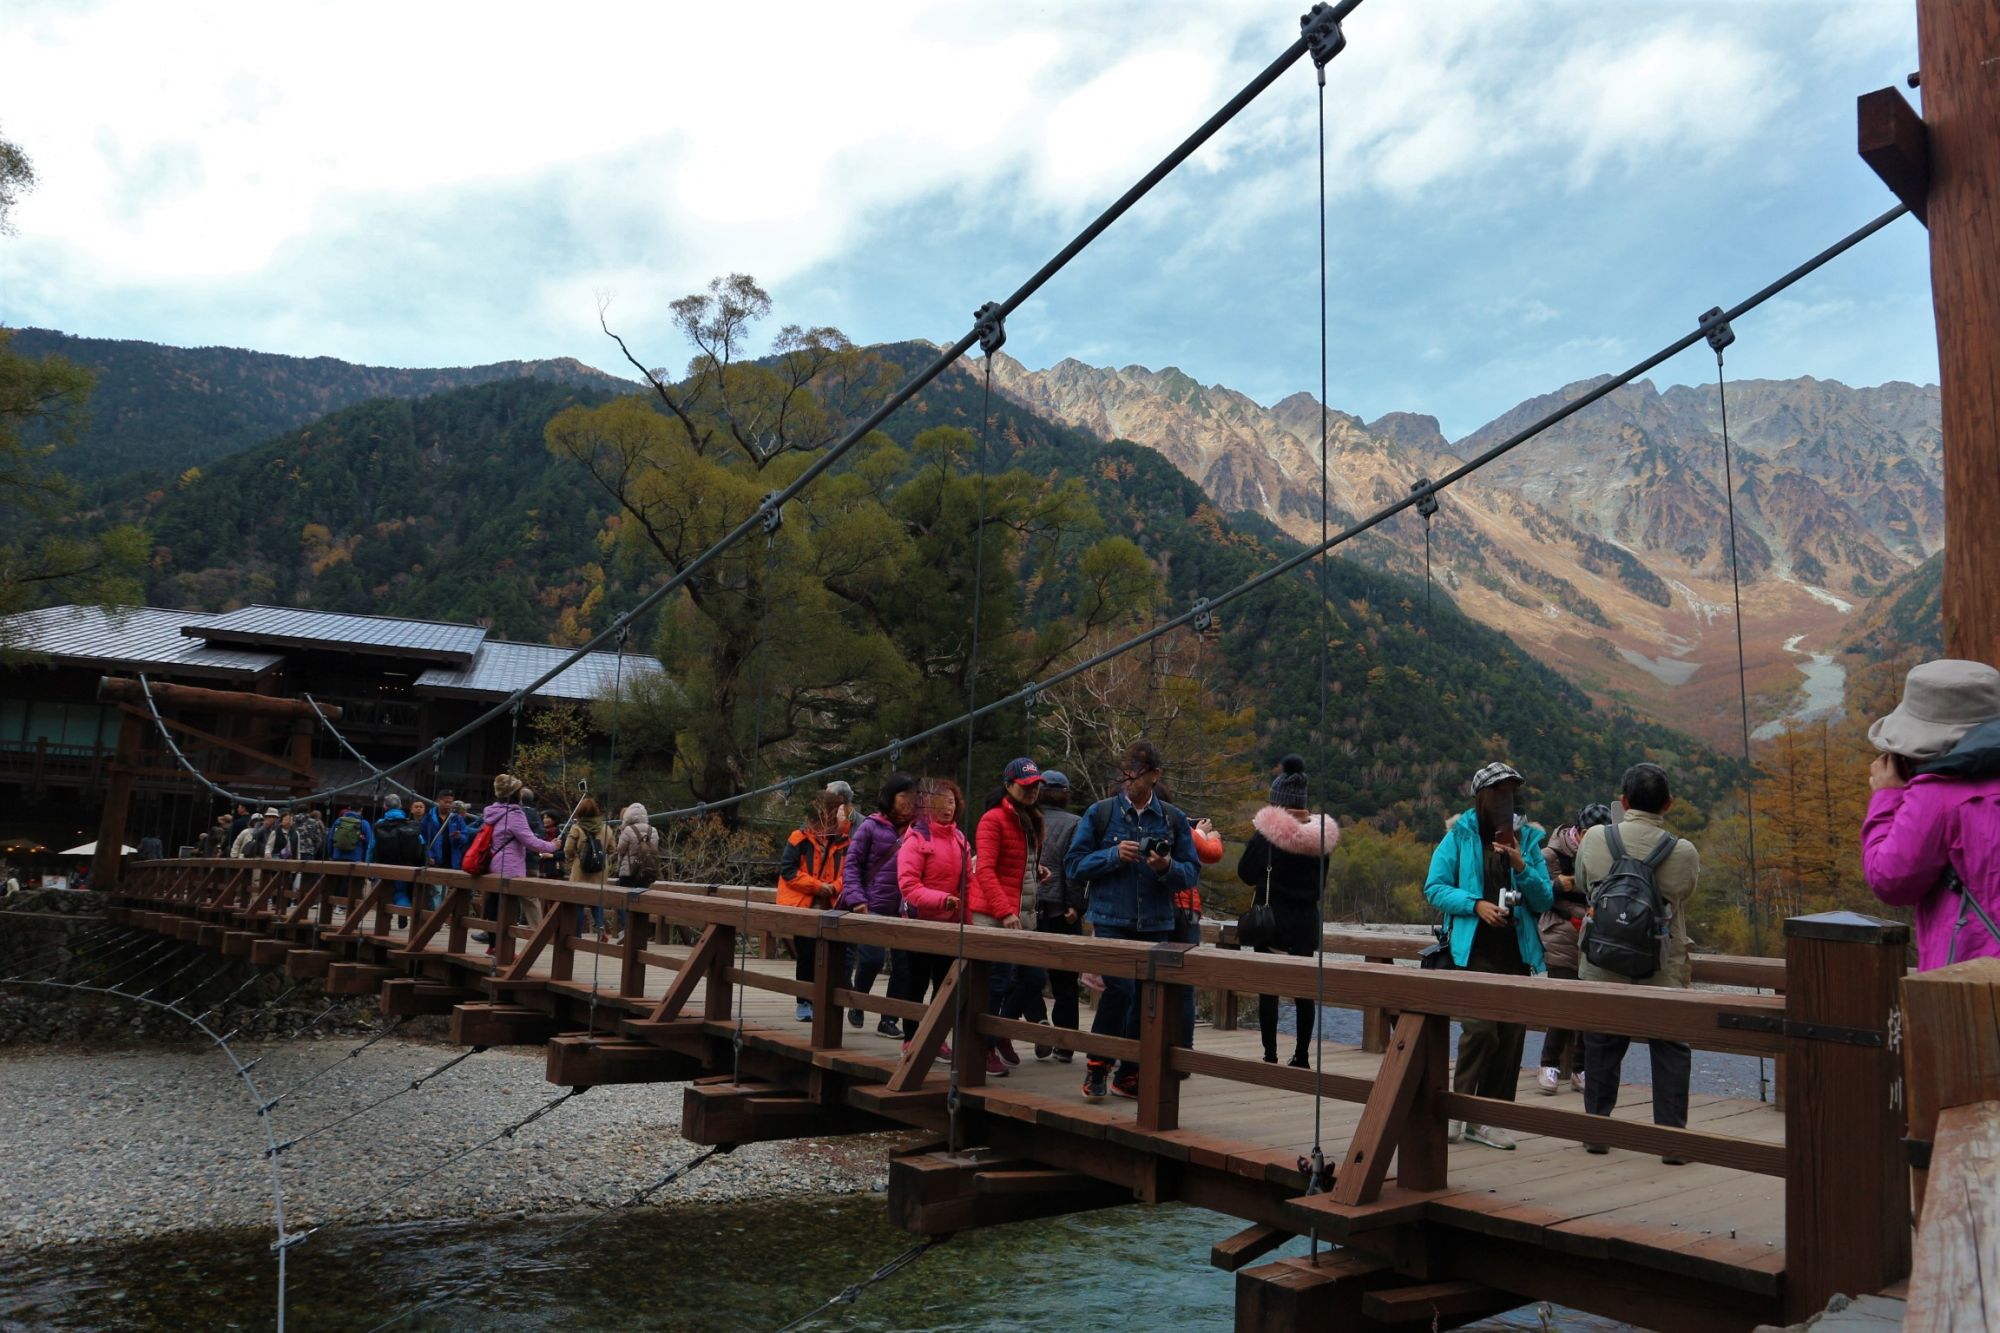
[1437,958]
[1258,927]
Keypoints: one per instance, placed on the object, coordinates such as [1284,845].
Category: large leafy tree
[44,557]
[851,622]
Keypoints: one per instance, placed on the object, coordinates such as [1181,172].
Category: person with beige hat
[1931,839]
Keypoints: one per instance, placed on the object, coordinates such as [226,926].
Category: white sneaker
[1576,1080]
[1547,1080]
[1491,1137]
[1454,1131]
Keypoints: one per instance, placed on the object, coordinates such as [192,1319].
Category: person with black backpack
[1639,878]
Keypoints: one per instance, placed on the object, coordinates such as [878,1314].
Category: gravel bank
[99,1146]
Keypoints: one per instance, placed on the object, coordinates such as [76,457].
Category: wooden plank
[1847,1198]
[715,944]
[924,1047]
[486,1024]
[356,978]
[1437,1304]
[586,1061]
[1661,1140]
[1246,1247]
[1891,139]
[1365,1165]
[1321,1292]
[1951,1053]
[1956,46]
[303,963]
[1159,1088]
[1952,1283]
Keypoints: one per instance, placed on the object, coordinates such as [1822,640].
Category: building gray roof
[135,638]
[502,667]
[286,627]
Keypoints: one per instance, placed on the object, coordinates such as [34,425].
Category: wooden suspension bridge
[1778,1209]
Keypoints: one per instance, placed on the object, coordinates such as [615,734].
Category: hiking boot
[888,1027]
[995,1066]
[483,936]
[1043,1050]
[1491,1137]
[1270,1055]
[1096,1081]
[1126,1084]
[1005,1050]
[1300,1060]
[1549,1081]
[804,1012]
[854,1018]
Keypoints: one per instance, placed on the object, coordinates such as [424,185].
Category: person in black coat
[1285,864]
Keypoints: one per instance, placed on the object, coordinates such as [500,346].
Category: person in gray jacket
[1059,901]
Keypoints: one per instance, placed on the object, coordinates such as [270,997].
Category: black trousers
[1604,1059]
[1063,991]
[922,974]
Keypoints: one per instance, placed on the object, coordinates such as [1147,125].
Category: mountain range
[451,506]
[1602,545]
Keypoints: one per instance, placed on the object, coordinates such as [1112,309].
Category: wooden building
[394,685]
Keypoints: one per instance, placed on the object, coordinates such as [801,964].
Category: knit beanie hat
[505,785]
[1288,789]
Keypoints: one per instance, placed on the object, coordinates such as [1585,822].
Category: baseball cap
[1054,777]
[1024,772]
[1492,773]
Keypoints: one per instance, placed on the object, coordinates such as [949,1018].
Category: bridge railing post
[1951,1027]
[1847,1193]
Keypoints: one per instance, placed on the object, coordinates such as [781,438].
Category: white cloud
[293,171]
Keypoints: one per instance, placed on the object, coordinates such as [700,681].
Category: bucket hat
[1942,700]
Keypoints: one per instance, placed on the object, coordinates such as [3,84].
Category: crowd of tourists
[1604,897]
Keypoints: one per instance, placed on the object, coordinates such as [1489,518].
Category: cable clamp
[1716,329]
[989,325]
[1324,39]
[1204,619]
[773,513]
[1427,501]
[1031,694]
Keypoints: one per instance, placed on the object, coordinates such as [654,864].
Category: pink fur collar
[1287,834]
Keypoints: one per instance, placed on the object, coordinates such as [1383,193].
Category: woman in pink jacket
[1931,840]
[514,837]
[933,869]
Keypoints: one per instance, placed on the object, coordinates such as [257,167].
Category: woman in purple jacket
[514,837]
[868,884]
[1931,840]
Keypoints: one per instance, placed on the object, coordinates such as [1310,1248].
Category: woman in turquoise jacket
[1490,851]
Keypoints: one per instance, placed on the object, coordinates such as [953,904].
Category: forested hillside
[158,410]
[453,506]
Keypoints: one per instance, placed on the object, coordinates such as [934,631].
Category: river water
[751,1267]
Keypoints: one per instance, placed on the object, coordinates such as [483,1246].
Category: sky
[1518,195]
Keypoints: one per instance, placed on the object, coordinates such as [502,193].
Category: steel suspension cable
[380,774]
[1207,606]
[249,1083]
[1720,335]
[1330,13]
[852,1293]
[1316,1163]
[952,1097]
[414,1085]
[330,1065]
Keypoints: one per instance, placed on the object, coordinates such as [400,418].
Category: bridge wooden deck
[1775,1210]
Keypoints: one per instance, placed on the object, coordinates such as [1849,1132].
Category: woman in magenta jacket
[1931,839]
[933,870]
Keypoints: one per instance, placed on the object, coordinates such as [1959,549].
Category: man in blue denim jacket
[1131,893]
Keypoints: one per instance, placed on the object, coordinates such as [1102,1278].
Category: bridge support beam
[726,1112]
[486,1024]
[936,1193]
[580,1061]
[406,997]
[1294,1294]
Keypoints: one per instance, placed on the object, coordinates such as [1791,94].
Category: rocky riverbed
[102,1145]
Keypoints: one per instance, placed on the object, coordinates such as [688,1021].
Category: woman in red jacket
[1008,873]
[933,871]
